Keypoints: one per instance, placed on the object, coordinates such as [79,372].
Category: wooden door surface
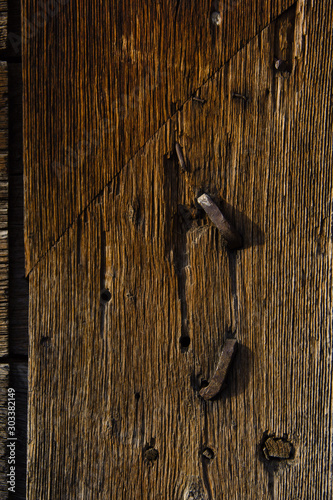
[133,291]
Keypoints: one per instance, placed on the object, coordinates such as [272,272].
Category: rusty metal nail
[198,99]
[216,18]
[280,64]
[239,96]
[208,453]
[180,156]
[215,385]
[233,239]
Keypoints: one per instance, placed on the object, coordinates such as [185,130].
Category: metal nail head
[231,236]
[216,18]
[180,156]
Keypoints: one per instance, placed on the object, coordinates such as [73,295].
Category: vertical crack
[233,290]
[102,282]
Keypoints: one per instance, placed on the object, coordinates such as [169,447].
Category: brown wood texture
[100,79]
[114,409]
[3,24]
[3,209]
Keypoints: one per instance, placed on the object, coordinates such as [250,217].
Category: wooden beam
[131,307]
[3,209]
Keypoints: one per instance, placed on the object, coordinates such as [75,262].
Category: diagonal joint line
[152,136]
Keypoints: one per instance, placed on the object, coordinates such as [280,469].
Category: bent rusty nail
[198,99]
[215,385]
[180,156]
[232,237]
[239,96]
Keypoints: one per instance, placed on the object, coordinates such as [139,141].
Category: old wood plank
[3,209]
[115,382]
[100,79]
[3,23]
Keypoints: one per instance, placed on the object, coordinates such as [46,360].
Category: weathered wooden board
[3,209]
[3,24]
[114,406]
[100,79]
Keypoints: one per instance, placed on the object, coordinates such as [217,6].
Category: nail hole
[137,395]
[184,342]
[208,453]
[45,341]
[106,295]
[150,454]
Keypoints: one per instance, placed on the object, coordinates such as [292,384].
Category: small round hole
[137,396]
[184,342]
[106,295]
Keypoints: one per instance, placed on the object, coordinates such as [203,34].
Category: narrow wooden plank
[145,294]
[3,23]
[4,384]
[114,74]
[3,209]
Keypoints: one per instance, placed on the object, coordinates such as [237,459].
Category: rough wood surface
[3,23]
[3,209]
[130,309]
[100,79]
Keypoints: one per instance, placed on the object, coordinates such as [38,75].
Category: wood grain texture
[3,23]
[3,209]
[100,79]
[114,405]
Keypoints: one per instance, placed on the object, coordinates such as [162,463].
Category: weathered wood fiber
[3,209]
[3,23]
[4,383]
[100,79]
[114,407]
